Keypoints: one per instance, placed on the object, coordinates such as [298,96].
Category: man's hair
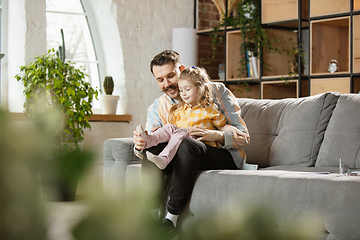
[165,57]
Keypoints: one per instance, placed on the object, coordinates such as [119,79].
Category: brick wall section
[209,18]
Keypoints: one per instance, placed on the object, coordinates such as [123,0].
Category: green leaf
[70,92]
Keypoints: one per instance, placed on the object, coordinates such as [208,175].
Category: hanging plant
[246,16]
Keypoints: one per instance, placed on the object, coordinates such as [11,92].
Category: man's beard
[172,87]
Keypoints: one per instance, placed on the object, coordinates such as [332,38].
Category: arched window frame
[96,45]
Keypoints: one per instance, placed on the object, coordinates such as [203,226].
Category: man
[193,155]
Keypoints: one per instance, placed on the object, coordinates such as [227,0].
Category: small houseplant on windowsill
[53,85]
[109,102]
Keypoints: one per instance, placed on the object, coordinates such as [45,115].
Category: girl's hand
[203,134]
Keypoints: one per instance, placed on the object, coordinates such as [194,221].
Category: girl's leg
[159,136]
[163,159]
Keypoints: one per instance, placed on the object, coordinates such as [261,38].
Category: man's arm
[229,107]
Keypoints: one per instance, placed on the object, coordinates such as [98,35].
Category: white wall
[130,34]
[146,29]
[143,29]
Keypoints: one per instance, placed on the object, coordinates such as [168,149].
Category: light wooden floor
[62,216]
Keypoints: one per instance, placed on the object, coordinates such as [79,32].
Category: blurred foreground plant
[126,217]
[21,213]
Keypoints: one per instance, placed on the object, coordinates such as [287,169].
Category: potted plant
[109,102]
[53,85]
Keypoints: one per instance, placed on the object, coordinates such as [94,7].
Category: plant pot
[54,187]
[109,103]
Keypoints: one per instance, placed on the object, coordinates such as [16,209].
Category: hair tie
[193,67]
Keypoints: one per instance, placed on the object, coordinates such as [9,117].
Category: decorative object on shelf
[222,71]
[109,102]
[220,5]
[53,85]
[333,65]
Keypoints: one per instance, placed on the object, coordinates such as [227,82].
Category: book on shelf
[251,61]
[253,65]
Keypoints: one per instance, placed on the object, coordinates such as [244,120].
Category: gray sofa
[293,141]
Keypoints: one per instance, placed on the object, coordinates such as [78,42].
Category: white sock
[160,161]
[173,218]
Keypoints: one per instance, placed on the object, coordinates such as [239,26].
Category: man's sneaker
[168,228]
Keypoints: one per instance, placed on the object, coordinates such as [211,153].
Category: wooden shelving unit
[330,39]
[233,57]
[334,35]
[277,64]
[328,7]
[289,10]
[290,24]
[250,90]
[320,85]
[333,29]
[279,89]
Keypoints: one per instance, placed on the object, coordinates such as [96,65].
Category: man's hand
[203,134]
[140,143]
[240,139]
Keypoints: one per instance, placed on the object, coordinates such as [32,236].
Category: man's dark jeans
[193,155]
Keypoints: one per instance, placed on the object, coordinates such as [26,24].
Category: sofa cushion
[287,131]
[342,137]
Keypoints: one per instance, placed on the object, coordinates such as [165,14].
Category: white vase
[109,103]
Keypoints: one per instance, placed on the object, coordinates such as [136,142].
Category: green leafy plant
[49,82]
[60,101]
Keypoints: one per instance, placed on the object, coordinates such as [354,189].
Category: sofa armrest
[118,154]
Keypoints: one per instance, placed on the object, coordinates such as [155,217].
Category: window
[70,15]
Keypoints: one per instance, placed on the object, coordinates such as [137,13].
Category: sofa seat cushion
[330,199]
[291,192]
[216,190]
[287,131]
[342,137]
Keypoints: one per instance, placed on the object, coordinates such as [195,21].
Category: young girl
[195,109]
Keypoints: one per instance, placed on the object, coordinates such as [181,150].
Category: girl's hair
[200,78]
